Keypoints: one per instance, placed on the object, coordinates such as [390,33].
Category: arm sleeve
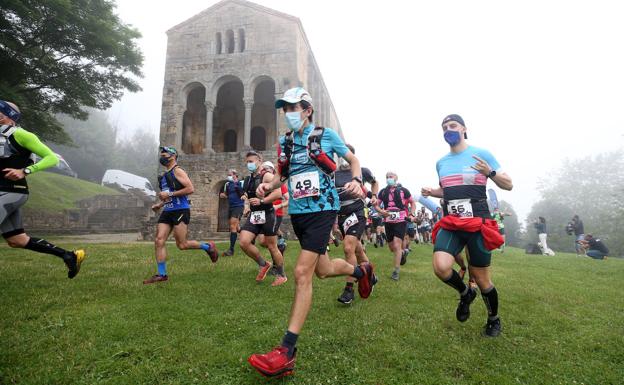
[337,144]
[29,141]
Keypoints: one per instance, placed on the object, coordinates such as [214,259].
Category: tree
[512,226]
[59,56]
[592,188]
[138,155]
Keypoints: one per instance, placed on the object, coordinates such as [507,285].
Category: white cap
[267,164]
[294,95]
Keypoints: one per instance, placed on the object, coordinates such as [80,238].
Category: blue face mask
[452,137]
[293,120]
[251,166]
[390,181]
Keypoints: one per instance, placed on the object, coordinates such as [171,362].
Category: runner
[398,207]
[377,227]
[16,147]
[499,217]
[233,190]
[352,220]
[463,175]
[306,161]
[175,187]
[261,220]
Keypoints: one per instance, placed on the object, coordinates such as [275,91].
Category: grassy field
[54,192]
[563,320]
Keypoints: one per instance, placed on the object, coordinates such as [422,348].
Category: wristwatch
[170,194]
[261,201]
[492,174]
[27,171]
[357,179]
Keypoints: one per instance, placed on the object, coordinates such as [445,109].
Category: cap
[294,95]
[455,118]
[169,150]
[11,112]
[268,164]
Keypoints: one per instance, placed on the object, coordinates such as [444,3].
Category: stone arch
[258,138]
[194,118]
[228,114]
[229,41]
[263,114]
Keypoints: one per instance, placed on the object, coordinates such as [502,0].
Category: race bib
[258,217]
[169,201]
[460,207]
[350,221]
[305,185]
[395,216]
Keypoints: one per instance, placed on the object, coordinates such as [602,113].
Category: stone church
[225,68]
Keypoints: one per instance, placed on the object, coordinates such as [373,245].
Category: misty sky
[535,81]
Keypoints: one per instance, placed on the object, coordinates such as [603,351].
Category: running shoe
[366,284]
[156,278]
[262,273]
[463,308]
[346,297]
[404,257]
[274,363]
[213,253]
[395,276]
[228,253]
[273,271]
[279,280]
[492,328]
[73,260]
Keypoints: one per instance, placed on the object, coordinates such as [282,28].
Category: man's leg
[396,247]
[162,233]
[278,259]
[246,244]
[350,245]
[595,254]
[490,298]
[180,232]
[234,223]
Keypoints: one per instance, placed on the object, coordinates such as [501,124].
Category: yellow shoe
[73,259]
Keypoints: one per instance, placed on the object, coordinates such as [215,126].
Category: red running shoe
[263,272]
[274,363]
[213,253]
[156,278]
[366,284]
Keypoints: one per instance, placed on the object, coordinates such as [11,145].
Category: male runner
[463,175]
[233,190]
[175,187]
[306,161]
[398,207]
[16,147]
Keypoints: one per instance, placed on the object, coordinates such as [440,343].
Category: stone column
[208,136]
[179,119]
[247,135]
[278,95]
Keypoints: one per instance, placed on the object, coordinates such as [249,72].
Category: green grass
[563,320]
[53,192]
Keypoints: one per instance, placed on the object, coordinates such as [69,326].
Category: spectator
[595,247]
[579,233]
[540,226]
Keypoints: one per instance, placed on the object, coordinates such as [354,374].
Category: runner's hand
[14,173]
[246,211]
[354,188]
[263,189]
[156,207]
[163,196]
[254,201]
[426,191]
[482,166]
[384,213]
[373,200]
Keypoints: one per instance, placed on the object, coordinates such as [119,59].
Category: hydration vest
[315,153]
[12,155]
[384,195]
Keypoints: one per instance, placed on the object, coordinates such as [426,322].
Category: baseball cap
[169,150]
[454,117]
[268,164]
[294,95]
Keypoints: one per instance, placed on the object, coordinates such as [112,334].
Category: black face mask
[164,160]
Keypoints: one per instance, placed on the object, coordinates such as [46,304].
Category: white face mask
[293,120]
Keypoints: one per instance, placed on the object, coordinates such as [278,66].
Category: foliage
[59,56]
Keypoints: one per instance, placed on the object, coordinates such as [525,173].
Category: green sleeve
[30,141]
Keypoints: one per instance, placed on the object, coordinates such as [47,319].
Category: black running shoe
[346,297]
[73,260]
[404,257]
[492,328]
[463,308]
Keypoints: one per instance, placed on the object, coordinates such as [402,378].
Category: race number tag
[169,201]
[395,216]
[460,207]
[350,221]
[305,185]
[258,217]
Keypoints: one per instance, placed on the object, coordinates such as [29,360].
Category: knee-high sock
[456,282]
[233,237]
[490,297]
[43,246]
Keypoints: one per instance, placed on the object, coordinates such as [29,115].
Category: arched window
[229,141]
[258,138]
[229,36]
[219,44]
[241,40]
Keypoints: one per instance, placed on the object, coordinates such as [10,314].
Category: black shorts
[377,222]
[395,230]
[175,217]
[268,228]
[235,212]
[411,232]
[356,229]
[313,229]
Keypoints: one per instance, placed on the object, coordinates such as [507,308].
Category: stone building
[225,67]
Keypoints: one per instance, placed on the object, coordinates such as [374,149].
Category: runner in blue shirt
[233,191]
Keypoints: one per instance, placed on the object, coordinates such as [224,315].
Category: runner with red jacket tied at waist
[16,147]
[306,162]
[398,207]
[463,175]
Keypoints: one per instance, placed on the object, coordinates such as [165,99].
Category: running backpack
[172,181]
[384,195]
[315,152]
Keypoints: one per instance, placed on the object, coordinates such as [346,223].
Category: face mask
[164,160]
[452,137]
[293,120]
[390,181]
[230,178]
[251,166]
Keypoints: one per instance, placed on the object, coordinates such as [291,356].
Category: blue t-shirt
[234,190]
[300,165]
[177,202]
[460,181]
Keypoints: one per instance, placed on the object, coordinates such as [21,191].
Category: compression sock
[204,246]
[456,282]
[358,273]
[261,262]
[233,237]
[349,286]
[162,268]
[490,297]
[43,246]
